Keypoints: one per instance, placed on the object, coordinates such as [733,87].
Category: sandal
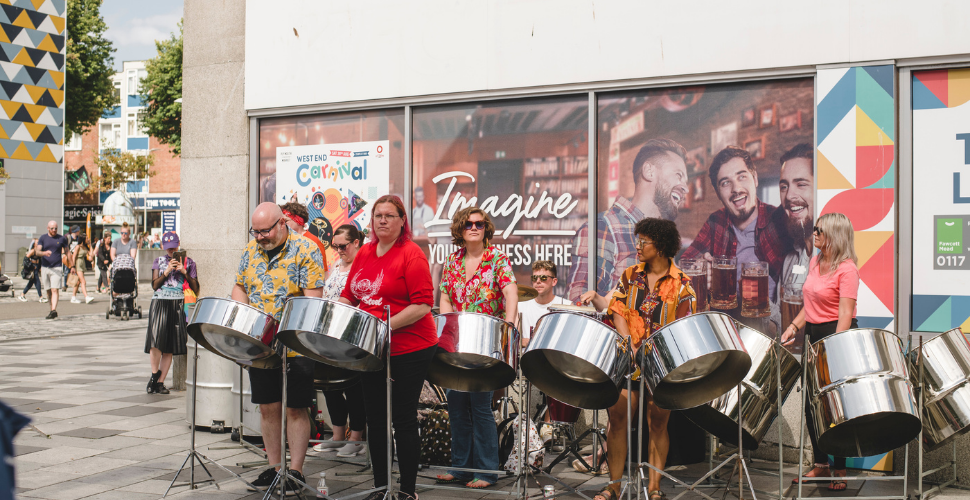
[478,484]
[817,471]
[448,479]
[656,494]
[606,494]
[580,467]
[838,485]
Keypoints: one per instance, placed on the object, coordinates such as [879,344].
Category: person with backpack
[30,271]
[103,261]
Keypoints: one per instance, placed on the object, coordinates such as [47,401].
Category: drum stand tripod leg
[284,474]
[193,454]
[801,420]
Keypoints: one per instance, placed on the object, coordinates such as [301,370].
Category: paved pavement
[12,309]
[97,435]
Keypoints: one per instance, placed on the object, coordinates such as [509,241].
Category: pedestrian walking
[81,257]
[103,261]
[53,253]
[71,242]
[166,315]
[31,272]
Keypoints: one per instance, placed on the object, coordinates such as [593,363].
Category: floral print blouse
[482,293]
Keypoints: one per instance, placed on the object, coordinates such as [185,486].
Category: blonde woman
[830,292]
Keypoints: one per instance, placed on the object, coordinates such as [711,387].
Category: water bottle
[322,490]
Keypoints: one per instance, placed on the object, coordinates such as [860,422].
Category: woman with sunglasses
[829,293]
[349,401]
[477,278]
[391,270]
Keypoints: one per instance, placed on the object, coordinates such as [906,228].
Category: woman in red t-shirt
[391,270]
[830,292]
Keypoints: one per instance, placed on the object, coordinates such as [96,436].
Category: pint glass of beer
[754,290]
[696,270]
[791,304]
[724,283]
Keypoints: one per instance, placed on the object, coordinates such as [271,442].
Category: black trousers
[816,332]
[408,372]
[340,404]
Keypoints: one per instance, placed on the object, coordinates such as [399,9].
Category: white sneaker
[545,434]
[43,300]
[22,298]
[87,300]
[74,300]
[351,450]
[326,446]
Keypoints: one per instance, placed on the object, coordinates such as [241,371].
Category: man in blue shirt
[53,255]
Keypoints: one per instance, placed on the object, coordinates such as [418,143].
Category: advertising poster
[338,183]
[668,145]
[524,163]
[941,200]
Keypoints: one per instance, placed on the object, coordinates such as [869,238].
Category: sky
[134,25]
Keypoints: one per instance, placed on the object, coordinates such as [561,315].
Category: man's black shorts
[267,385]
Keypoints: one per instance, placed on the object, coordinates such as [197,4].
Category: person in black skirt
[166,317]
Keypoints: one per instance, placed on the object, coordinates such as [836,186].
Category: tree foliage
[89,67]
[116,168]
[163,86]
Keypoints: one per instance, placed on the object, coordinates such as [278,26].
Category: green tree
[89,67]
[163,86]
[116,168]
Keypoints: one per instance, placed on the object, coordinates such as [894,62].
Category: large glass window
[658,150]
[345,128]
[523,162]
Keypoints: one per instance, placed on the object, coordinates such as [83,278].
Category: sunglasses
[340,248]
[542,277]
[479,224]
[642,243]
[817,230]
[124,233]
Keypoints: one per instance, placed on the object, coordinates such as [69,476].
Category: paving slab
[61,454]
[91,433]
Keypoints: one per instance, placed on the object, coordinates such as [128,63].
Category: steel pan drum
[577,360]
[946,388]
[860,395]
[235,331]
[586,310]
[759,393]
[331,378]
[693,360]
[334,333]
[476,352]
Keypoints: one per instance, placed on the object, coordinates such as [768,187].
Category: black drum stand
[194,454]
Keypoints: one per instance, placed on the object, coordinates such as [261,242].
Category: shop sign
[156,202]
[168,221]
[941,200]
[81,212]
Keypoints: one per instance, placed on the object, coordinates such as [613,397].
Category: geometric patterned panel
[855,117]
[32,52]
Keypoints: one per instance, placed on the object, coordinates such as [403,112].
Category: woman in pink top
[830,293]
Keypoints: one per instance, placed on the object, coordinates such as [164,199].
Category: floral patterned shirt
[482,293]
[335,283]
[646,311]
[268,283]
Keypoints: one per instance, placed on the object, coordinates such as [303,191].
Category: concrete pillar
[215,141]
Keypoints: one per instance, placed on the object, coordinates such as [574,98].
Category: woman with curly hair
[650,294]
[477,278]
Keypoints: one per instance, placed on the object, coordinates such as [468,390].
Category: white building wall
[303,52]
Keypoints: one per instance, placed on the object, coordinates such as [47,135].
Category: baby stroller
[123,288]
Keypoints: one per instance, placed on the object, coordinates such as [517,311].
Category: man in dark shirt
[53,255]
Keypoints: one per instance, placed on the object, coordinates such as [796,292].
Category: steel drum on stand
[334,333]
[476,352]
[946,388]
[693,360]
[235,331]
[213,395]
[860,394]
[577,360]
[759,393]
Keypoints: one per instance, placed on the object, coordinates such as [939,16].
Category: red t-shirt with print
[399,278]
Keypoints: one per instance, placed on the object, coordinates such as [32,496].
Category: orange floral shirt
[482,293]
[646,311]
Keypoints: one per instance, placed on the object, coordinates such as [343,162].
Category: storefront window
[523,162]
[344,128]
[655,154]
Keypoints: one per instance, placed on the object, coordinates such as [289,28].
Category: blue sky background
[133,26]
